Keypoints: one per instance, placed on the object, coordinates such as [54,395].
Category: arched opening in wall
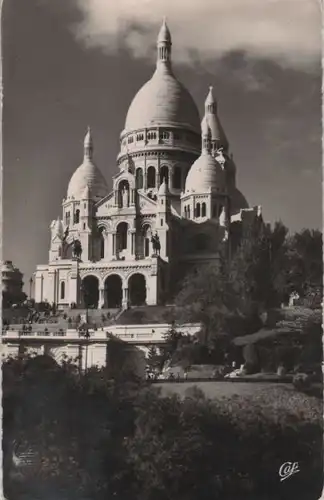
[123,194]
[122,230]
[188,211]
[67,218]
[139,178]
[137,290]
[90,292]
[151,177]
[164,175]
[176,180]
[203,209]
[113,291]
[198,210]
[101,243]
[62,291]
[146,240]
[77,217]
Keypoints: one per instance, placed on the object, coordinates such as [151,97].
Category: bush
[301,381]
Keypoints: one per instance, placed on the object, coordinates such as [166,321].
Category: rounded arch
[203,209]
[123,193]
[151,177]
[177,178]
[164,174]
[101,231]
[113,286]
[198,210]
[122,233]
[139,178]
[146,233]
[137,289]
[77,216]
[90,291]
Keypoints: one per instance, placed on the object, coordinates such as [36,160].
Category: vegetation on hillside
[93,436]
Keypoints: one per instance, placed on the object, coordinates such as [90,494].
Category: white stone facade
[170,206]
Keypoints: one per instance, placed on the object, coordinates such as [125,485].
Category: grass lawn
[220,389]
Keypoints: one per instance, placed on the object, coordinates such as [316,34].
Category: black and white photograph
[161,257]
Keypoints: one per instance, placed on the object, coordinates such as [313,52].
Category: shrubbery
[104,438]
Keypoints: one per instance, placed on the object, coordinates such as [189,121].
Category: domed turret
[87,175]
[206,174]
[163,100]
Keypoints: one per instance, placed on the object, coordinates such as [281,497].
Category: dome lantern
[164,44]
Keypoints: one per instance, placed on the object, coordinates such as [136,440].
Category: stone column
[133,242]
[125,297]
[101,302]
[114,247]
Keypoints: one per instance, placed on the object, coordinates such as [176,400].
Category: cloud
[287,31]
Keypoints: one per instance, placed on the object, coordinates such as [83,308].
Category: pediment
[145,203]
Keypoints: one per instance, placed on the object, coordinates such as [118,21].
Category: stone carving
[155,240]
[77,249]
[125,197]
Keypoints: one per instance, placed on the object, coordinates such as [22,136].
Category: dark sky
[54,87]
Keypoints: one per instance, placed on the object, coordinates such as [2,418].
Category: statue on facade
[125,197]
[76,249]
[155,240]
[220,157]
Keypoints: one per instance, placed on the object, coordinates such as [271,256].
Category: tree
[305,262]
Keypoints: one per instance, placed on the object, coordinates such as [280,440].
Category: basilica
[172,204]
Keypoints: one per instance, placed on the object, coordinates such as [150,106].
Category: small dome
[163,189]
[238,201]
[87,176]
[205,175]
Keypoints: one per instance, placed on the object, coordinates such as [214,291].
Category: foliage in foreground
[99,438]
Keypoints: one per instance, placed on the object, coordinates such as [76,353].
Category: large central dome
[163,100]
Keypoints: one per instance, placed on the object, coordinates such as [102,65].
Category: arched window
[188,211]
[198,210]
[146,233]
[151,174]
[102,243]
[176,181]
[203,209]
[122,230]
[164,175]
[62,290]
[67,218]
[139,178]
[77,217]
